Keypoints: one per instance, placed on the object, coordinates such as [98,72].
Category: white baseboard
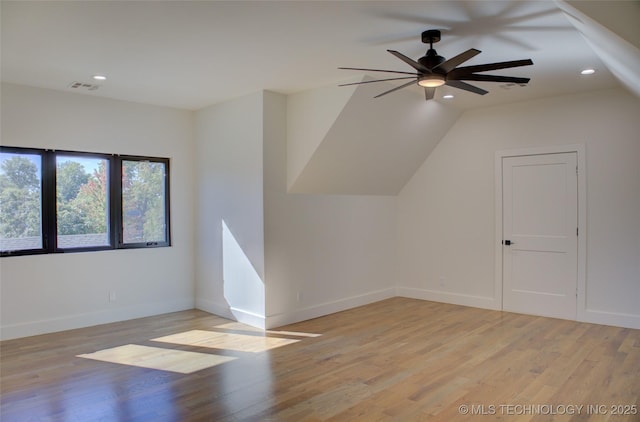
[327,308]
[229,312]
[610,318]
[31,328]
[89,319]
[589,315]
[222,310]
[249,318]
[448,297]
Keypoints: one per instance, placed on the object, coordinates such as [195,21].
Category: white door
[540,229]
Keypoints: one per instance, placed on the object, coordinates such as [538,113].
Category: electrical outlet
[299,296]
[112,296]
[442,281]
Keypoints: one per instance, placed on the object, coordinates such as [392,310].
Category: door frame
[579,149]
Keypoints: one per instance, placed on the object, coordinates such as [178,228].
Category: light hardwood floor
[397,360]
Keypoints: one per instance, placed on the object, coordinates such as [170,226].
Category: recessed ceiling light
[588,72]
[99,77]
[448,96]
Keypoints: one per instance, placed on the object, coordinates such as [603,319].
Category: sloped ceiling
[374,147]
[619,17]
[613,32]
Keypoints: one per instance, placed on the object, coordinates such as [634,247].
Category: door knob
[509,243]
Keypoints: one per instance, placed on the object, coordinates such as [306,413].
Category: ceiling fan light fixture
[587,71]
[431,81]
[432,71]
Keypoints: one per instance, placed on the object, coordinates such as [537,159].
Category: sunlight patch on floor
[292,333]
[244,327]
[227,341]
[158,358]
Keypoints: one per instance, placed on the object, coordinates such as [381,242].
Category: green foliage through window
[20,199]
[75,199]
[143,199]
[82,201]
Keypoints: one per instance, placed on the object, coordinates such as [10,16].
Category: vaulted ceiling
[194,54]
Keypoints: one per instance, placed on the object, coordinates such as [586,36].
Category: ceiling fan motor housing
[431,59]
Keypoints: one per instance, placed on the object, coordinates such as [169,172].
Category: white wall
[310,255]
[446,226]
[47,293]
[324,253]
[229,154]
[312,113]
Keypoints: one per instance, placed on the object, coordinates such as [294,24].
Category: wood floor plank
[394,360]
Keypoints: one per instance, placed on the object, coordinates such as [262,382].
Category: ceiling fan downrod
[431,59]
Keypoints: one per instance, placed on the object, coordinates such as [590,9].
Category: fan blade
[378,80]
[491,78]
[417,66]
[429,93]
[489,66]
[465,86]
[453,62]
[395,89]
[378,70]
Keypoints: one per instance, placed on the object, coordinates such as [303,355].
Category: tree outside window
[56,201]
[82,201]
[20,199]
[143,201]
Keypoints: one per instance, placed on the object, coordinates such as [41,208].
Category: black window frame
[167,209]
[48,204]
[51,194]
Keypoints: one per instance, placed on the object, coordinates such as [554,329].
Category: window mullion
[115,190]
[167,203]
[49,208]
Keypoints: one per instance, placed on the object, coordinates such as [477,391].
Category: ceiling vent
[511,85]
[83,86]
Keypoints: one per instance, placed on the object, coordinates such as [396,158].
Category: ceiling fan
[433,70]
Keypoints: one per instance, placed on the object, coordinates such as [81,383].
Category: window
[144,202]
[82,201]
[56,201]
[20,200]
